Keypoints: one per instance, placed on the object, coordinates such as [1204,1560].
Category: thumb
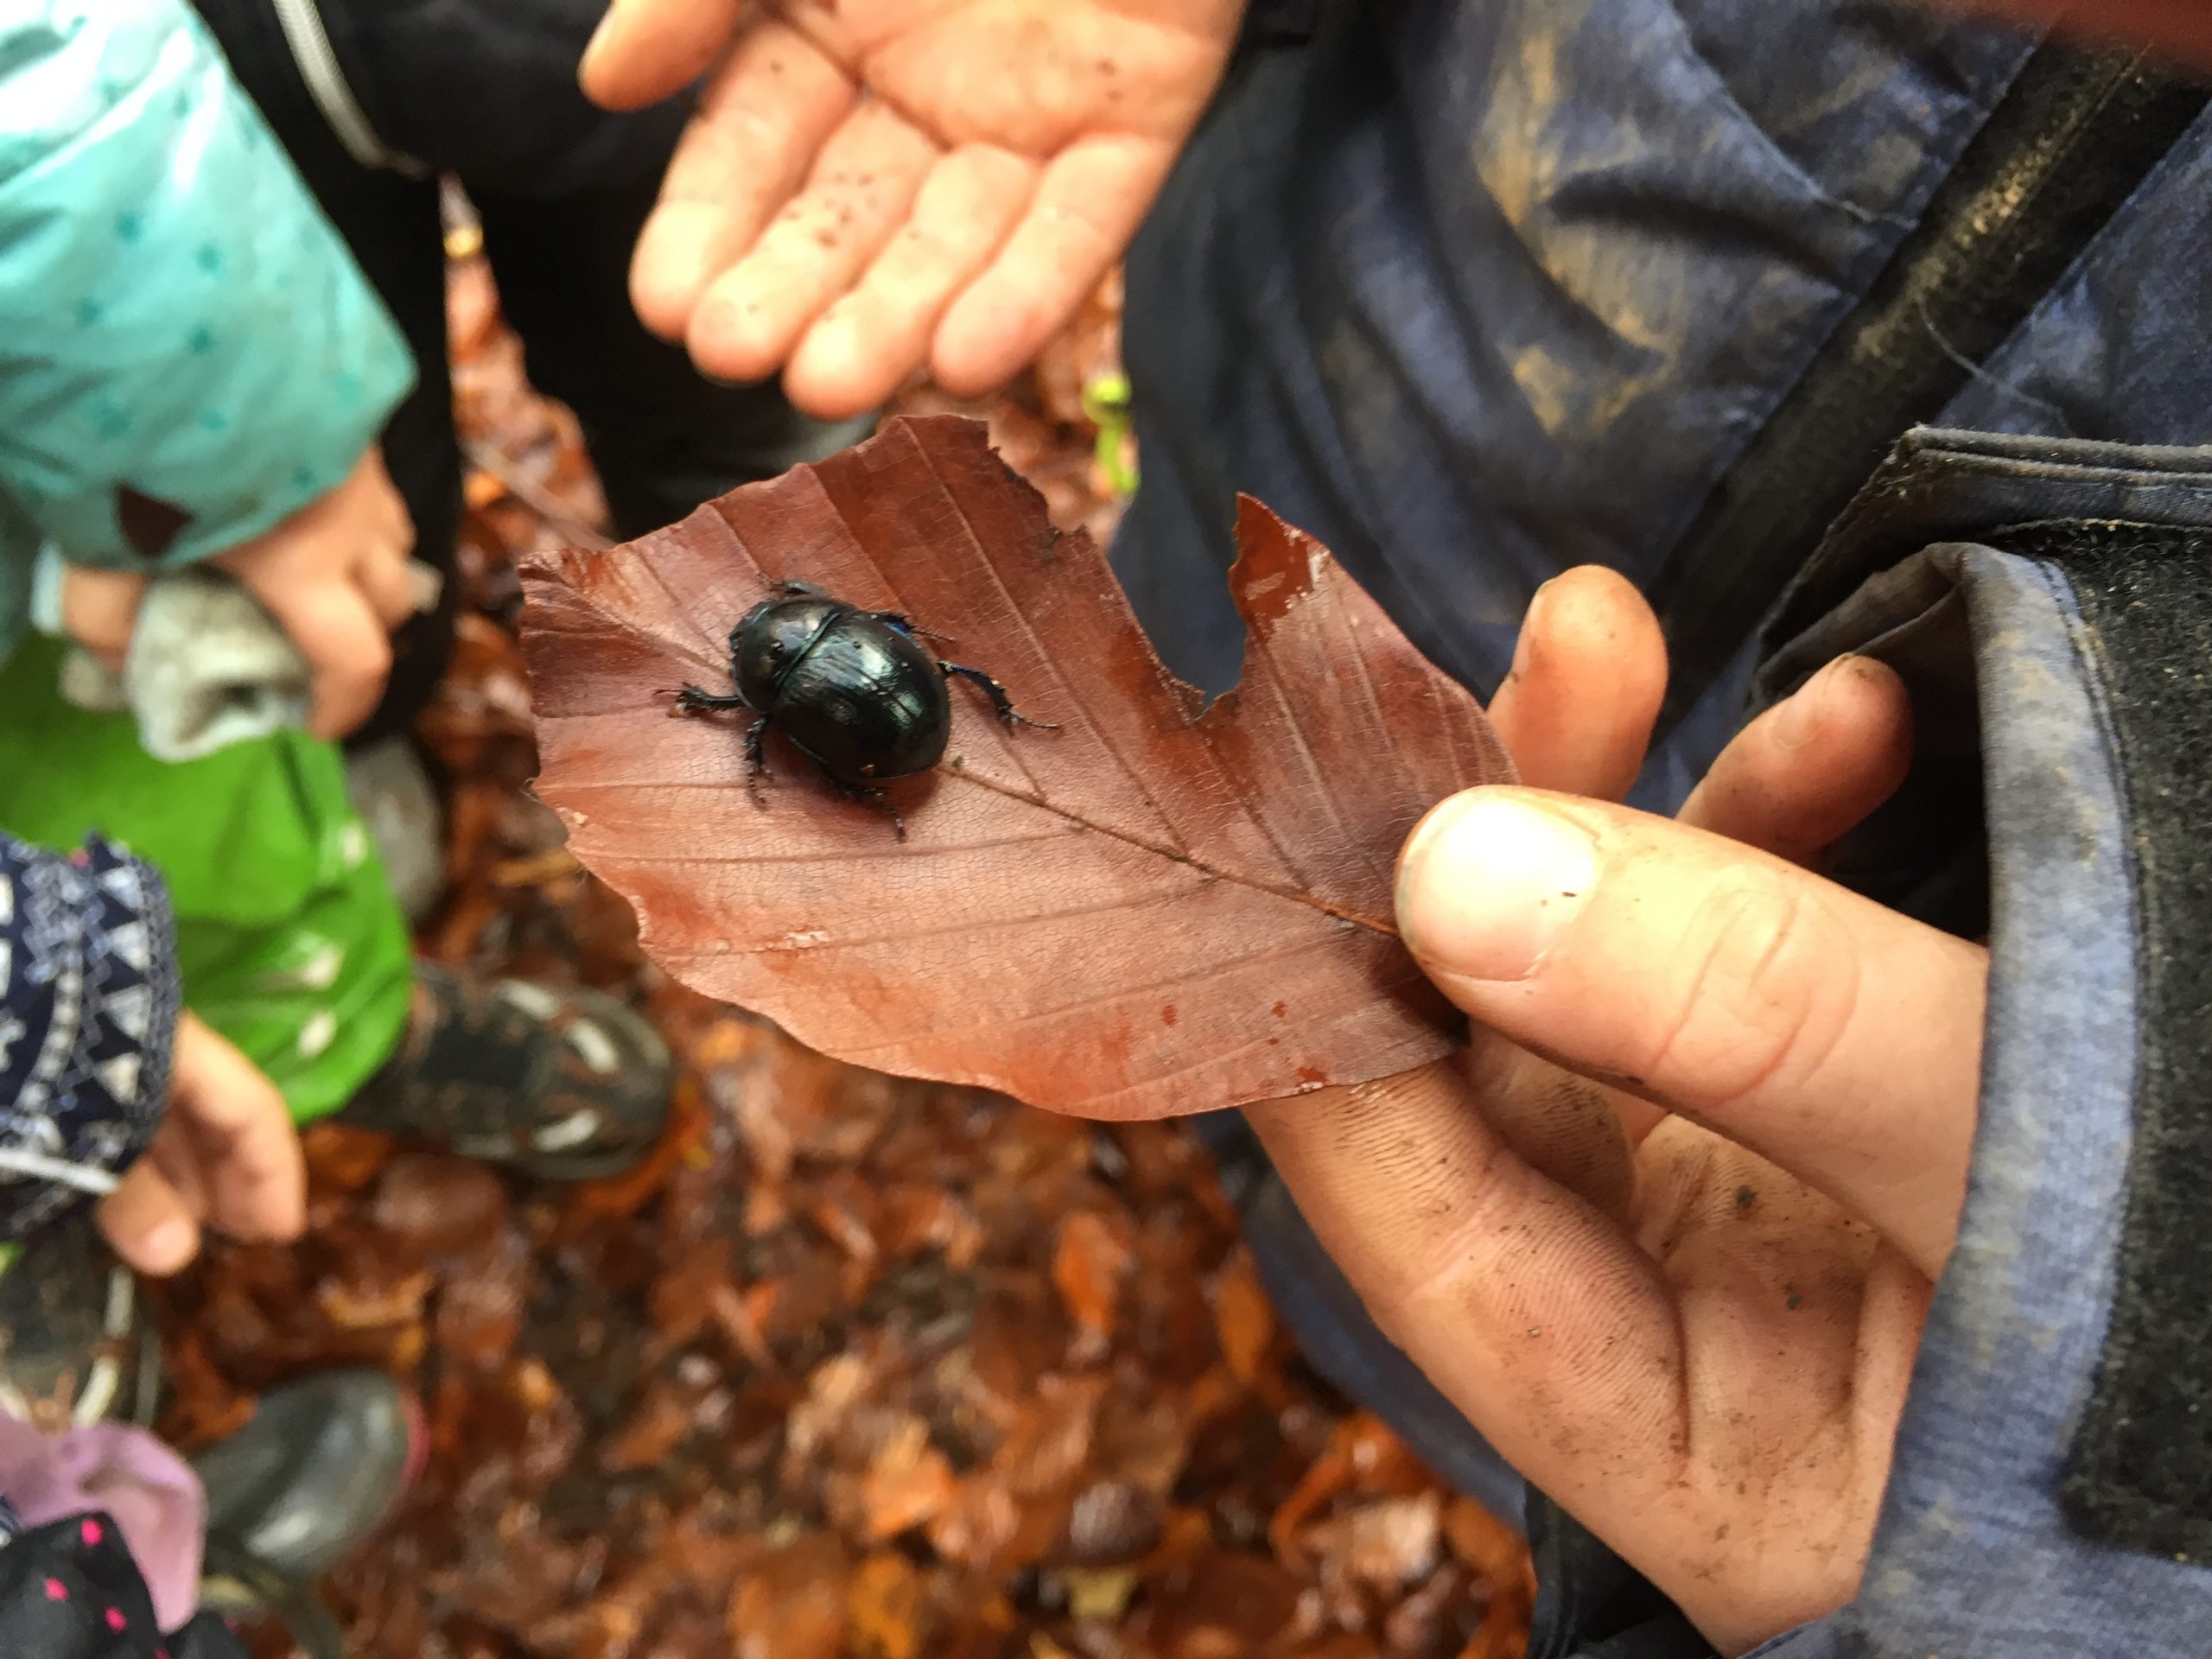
[647,50]
[1837,1039]
[147,1223]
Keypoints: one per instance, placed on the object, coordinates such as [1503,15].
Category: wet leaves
[1153,909]
[635,1451]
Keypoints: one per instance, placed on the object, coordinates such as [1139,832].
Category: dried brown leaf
[1113,1523]
[1151,911]
[1499,1557]
[1227,1605]
[1051,1437]
[480,1310]
[908,1484]
[1088,1267]
[663,1419]
[792,1604]
[1487,1544]
[1427,1623]
[342,1158]
[434,1205]
[885,1611]
[1386,1543]
[1243,1317]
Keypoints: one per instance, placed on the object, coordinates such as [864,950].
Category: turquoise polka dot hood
[179,324]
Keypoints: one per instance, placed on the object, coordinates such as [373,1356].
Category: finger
[645,50]
[866,345]
[344,643]
[1529,1309]
[379,514]
[750,145]
[1812,768]
[870,171]
[387,583]
[394,525]
[385,566]
[1837,1039]
[147,1224]
[100,608]
[1577,706]
[244,1136]
[1578,1134]
[176,1155]
[1088,202]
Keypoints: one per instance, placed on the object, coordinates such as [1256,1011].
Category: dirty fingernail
[1489,881]
[1800,712]
[1528,619]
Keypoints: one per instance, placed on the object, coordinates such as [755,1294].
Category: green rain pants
[289,939]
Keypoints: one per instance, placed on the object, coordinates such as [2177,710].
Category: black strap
[2139,1474]
[2074,135]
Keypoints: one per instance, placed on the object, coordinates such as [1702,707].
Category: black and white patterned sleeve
[88,1011]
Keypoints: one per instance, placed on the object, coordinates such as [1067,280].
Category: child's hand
[100,608]
[334,575]
[225,1155]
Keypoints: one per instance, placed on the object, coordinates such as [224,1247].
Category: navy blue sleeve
[88,1011]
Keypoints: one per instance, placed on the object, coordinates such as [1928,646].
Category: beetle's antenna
[908,626]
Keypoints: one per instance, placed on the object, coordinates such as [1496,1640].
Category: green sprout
[1106,404]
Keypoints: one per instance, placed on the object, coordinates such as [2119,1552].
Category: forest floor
[851,1365]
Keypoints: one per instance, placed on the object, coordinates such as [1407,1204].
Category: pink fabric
[152,1493]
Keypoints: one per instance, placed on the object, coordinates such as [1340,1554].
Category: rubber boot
[315,1474]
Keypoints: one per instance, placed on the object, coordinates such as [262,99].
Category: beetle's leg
[865,794]
[997,694]
[874,797]
[881,802]
[790,590]
[692,700]
[756,763]
[906,625]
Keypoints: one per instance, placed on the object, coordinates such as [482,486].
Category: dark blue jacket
[1478,291]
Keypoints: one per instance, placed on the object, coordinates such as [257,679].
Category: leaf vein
[1210,970]
[1051,664]
[1294,895]
[946,930]
[896,852]
[651,567]
[1263,662]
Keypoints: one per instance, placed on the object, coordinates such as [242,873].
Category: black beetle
[854,690]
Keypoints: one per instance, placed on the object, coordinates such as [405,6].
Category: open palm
[877,186]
